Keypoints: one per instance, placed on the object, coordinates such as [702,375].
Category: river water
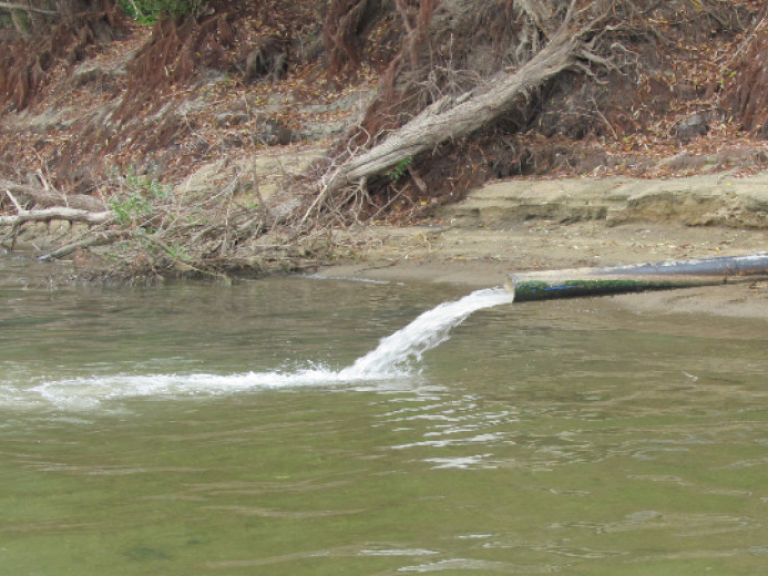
[197,429]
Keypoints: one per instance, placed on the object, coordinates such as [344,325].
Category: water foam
[394,358]
[395,354]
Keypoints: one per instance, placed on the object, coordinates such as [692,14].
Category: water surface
[561,437]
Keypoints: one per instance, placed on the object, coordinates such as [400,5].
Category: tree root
[451,118]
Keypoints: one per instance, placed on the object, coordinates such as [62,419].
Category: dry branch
[451,118]
[57,213]
[98,239]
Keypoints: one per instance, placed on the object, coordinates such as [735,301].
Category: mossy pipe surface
[582,282]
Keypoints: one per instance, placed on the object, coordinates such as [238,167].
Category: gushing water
[394,357]
[432,328]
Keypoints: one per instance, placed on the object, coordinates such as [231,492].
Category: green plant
[177,252]
[146,186]
[131,208]
[141,192]
[399,169]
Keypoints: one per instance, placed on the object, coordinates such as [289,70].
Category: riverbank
[522,225]
[240,159]
[248,152]
[538,224]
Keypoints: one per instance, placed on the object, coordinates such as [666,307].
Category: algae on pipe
[580,282]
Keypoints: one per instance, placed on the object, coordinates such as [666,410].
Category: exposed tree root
[451,118]
[27,8]
[748,94]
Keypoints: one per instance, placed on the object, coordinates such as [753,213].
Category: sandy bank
[535,225]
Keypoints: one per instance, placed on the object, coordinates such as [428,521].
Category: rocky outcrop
[708,200]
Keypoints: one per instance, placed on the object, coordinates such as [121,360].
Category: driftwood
[452,118]
[54,213]
[57,213]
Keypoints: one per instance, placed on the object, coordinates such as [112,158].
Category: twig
[15,202]
[604,119]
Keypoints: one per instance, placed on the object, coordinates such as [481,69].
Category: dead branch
[57,213]
[98,239]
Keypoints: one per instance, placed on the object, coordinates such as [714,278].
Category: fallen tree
[66,213]
[453,117]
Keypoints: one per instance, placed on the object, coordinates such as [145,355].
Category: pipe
[668,275]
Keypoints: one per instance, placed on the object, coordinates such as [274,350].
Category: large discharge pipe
[580,282]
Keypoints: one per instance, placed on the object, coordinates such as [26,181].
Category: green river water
[170,431]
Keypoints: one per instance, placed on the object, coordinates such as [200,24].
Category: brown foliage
[345,31]
[173,55]
[416,16]
[747,95]
[342,35]
[26,63]
[248,39]
[396,100]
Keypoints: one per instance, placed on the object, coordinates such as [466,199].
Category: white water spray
[432,328]
[392,358]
